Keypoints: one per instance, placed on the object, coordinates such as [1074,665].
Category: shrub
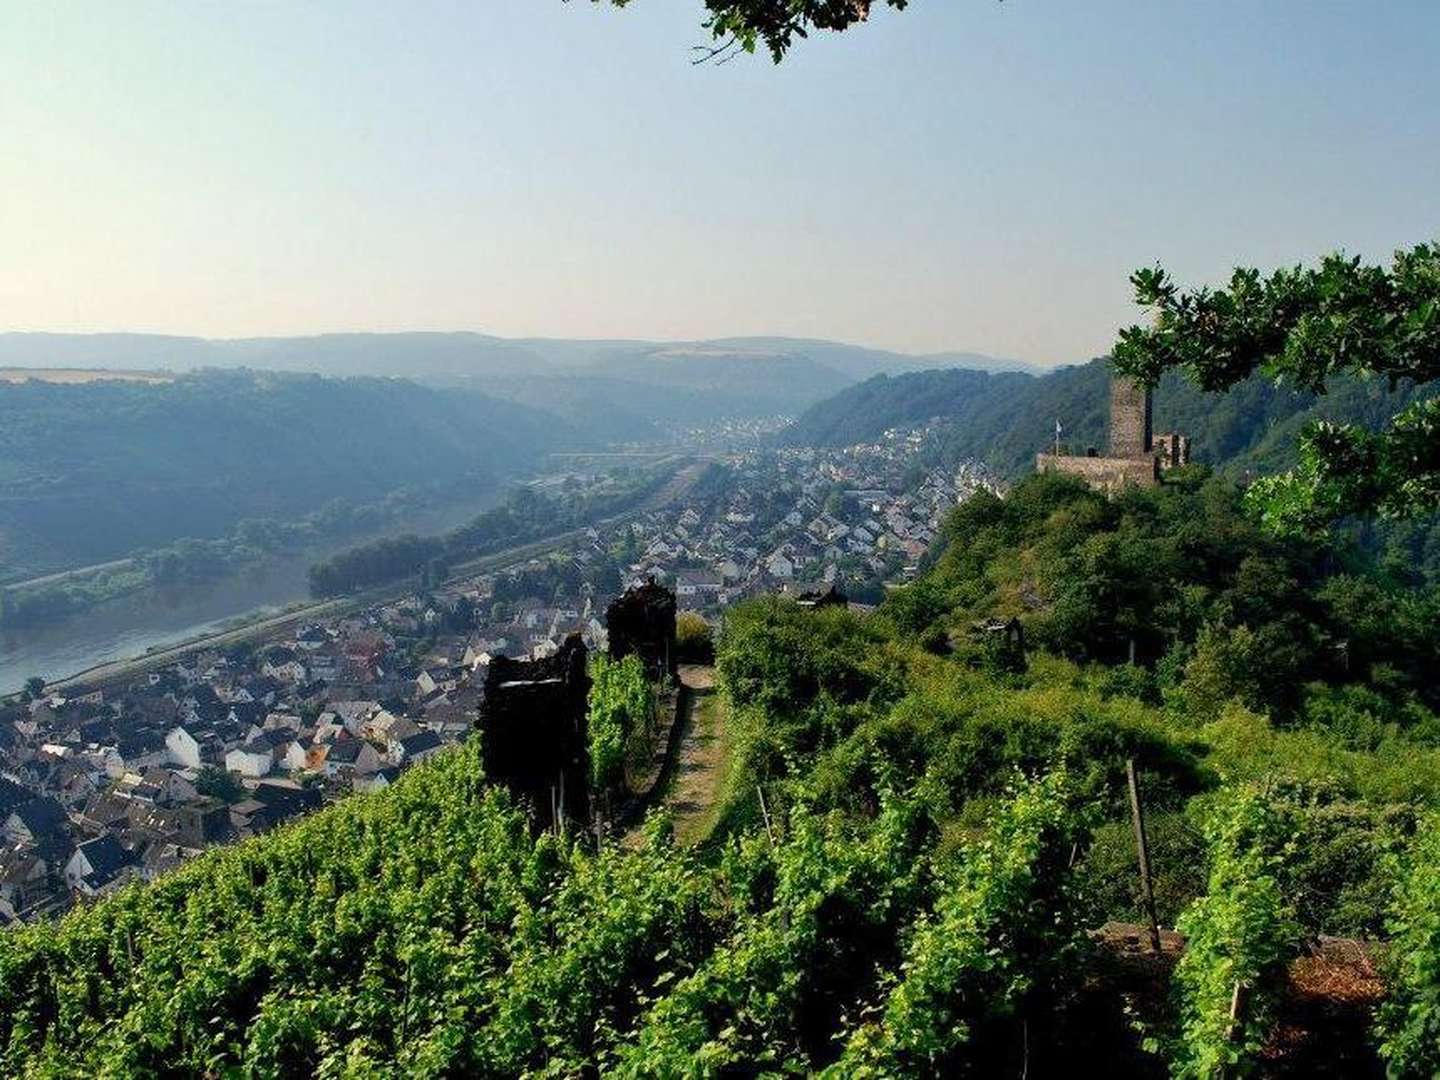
[620,706]
[1000,937]
[1409,1021]
[1242,932]
[693,643]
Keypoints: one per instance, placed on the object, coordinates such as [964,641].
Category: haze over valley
[214,463]
[720,538]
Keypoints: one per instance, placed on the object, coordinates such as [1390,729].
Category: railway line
[113,672]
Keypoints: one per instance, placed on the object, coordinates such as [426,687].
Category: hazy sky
[966,175]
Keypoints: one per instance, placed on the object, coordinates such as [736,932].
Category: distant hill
[621,387]
[860,362]
[91,471]
[1004,418]
[407,355]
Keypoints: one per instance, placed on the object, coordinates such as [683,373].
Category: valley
[160,619]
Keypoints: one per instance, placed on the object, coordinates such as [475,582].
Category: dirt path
[704,758]
[695,771]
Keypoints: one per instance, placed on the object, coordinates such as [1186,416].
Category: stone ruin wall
[642,622]
[534,732]
[1173,450]
[1108,474]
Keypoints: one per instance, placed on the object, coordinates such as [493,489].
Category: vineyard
[916,849]
[427,930]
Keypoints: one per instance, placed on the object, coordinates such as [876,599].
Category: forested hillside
[1003,419]
[921,824]
[196,456]
[525,515]
[632,396]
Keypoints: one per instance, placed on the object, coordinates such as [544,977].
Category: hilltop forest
[1004,418]
[944,829]
[201,454]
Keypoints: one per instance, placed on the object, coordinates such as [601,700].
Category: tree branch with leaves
[745,25]
[1303,325]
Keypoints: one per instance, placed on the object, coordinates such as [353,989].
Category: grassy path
[697,767]
[696,762]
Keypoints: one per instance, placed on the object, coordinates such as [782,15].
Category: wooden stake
[1143,849]
[1238,998]
[765,814]
[1237,1009]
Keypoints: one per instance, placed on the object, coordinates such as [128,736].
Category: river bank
[164,617]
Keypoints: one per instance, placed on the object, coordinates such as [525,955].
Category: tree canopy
[748,24]
[1305,326]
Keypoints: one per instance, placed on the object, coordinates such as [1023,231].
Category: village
[103,785]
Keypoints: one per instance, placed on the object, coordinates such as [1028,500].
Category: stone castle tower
[1131,417]
[1137,455]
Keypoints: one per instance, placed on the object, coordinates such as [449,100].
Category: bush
[1110,871]
[1002,936]
[620,708]
[1242,932]
[1409,1021]
[693,643]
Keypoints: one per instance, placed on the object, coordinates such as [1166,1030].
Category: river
[133,625]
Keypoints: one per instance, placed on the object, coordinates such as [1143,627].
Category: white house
[692,584]
[353,714]
[780,566]
[378,726]
[258,756]
[183,748]
[35,820]
[99,866]
[282,663]
[24,880]
[413,748]
[378,780]
[254,759]
[296,754]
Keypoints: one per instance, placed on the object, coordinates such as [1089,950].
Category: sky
[966,175]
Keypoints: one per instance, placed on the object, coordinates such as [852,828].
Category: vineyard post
[765,813]
[1143,850]
[1237,1012]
